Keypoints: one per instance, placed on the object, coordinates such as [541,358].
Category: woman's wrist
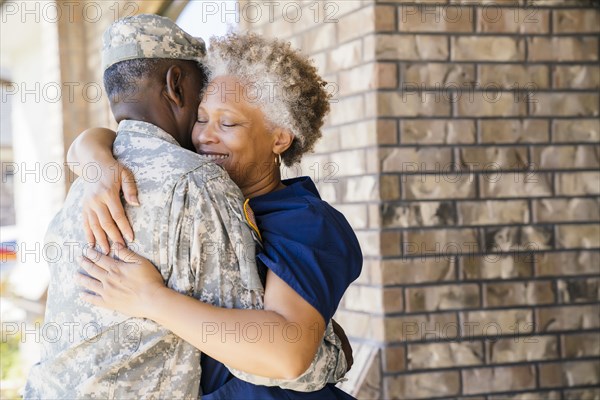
[156,303]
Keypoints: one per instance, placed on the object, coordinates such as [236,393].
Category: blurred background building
[463,147]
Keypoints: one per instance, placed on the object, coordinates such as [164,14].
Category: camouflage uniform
[190,225]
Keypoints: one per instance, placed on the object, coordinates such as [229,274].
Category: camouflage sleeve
[221,249]
[328,366]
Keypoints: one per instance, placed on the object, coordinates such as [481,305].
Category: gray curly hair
[286,84]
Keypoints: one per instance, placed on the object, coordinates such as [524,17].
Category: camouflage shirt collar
[147,128]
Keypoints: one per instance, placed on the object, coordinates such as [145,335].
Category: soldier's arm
[328,366]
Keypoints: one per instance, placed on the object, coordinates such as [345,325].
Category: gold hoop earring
[278,159]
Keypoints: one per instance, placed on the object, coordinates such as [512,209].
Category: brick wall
[463,147]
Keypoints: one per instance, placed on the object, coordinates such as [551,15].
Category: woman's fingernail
[129,238]
[135,201]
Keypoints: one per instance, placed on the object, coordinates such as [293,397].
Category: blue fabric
[214,374]
[309,245]
[236,389]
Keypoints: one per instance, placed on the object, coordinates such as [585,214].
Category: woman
[265,103]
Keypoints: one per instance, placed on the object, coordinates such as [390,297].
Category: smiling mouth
[215,156]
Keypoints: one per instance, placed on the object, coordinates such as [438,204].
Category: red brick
[513,184]
[579,130]
[518,293]
[412,104]
[573,373]
[493,158]
[580,183]
[443,185]
[493,212]
[566,210]
[442,297]
[579,290]
[484,48]
[495,266]
[438,76]
[444,355]
[403,47]
[514,131]
[406,159]
[522,349]
[435,19]
[509,76]
[550,157]
[567,263]
[416,270]
[491,104]
[551,319]
[498,379]
[564,104]
[562,49]
[578,345]
[495,323]
[512,20]
[578,236]
[576,21]
[448,131]
[393,359]
[427,213]
[576,77]
[418,386]
[432,327]
[445,242]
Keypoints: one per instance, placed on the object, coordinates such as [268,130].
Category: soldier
[189,224]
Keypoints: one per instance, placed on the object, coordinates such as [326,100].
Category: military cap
[148,36]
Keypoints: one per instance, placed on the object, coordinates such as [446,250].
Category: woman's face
[232,130]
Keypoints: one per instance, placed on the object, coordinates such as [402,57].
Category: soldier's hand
[103,212]
[346,347]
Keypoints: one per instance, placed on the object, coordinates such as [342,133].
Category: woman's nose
[207,134]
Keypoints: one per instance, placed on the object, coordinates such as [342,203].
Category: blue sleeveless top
[310,246]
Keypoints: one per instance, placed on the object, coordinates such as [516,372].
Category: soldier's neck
[145,113]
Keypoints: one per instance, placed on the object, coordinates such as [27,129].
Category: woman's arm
[93,145]
[91,153]
[277,342]
[280,340]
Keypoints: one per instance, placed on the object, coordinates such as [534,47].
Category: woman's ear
[174,87]
[283,139]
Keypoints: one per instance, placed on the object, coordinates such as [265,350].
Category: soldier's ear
[173,85]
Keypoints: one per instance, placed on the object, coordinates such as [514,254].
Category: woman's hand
[103,213]
[127,284]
